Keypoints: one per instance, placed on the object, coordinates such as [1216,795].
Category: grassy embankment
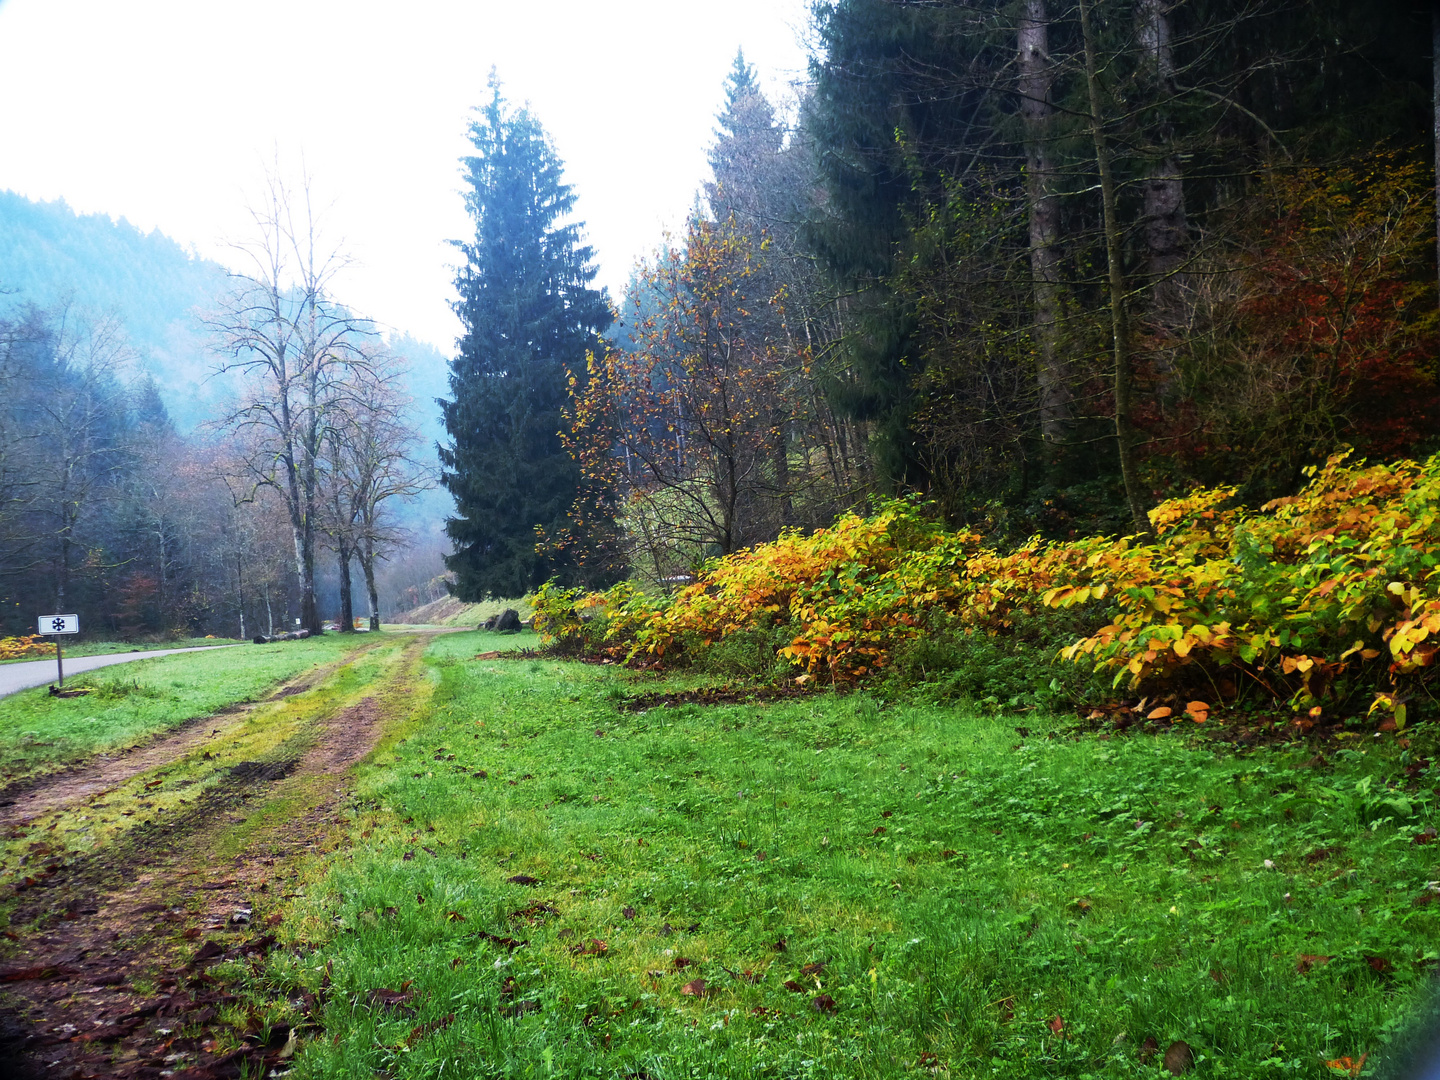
[134,701]
[448,611]
[983,901]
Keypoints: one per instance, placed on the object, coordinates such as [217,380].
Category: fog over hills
[160,292]
[50,256]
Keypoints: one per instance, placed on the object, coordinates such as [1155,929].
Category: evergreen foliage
[529,315]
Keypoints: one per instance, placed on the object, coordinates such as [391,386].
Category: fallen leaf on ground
[1056,1025]
[420,1032]
[794,987]
[1179,1058]
[382,998]
[824,1003]
[1307,961]
[815,968]
[628,912]
[696,988]
[523,879]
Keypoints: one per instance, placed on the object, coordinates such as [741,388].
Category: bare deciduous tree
[301,353]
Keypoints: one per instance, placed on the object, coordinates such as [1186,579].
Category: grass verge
[836,887]
[134,701]
[108,648]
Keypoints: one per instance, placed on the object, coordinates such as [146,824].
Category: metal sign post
[55,626]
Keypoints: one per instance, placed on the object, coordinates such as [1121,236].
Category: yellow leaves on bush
[15,648]
[1300,595]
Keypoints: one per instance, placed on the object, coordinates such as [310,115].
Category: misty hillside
[50,255]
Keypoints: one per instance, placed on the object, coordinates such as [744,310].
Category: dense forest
[1038,265]
[1042,265]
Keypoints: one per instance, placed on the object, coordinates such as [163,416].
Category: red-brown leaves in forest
[794,987]
[824,1003]
[1057,1025]
[595,947]
[697,988]
[1307,961]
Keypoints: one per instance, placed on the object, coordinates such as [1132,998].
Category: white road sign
[59,624]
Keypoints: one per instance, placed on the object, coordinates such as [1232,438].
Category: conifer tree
[529,315]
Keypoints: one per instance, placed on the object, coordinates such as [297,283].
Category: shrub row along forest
[1048,274]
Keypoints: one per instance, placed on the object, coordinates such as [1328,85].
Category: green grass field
[134,701]
[983,902]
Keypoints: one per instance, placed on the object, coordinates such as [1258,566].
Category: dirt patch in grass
[128,959]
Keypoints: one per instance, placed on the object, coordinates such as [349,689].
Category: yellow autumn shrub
[1321,594]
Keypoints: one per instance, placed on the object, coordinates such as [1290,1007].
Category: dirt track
[152,910]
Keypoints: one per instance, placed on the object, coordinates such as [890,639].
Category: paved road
[15,677]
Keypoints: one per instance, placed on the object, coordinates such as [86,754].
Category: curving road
[15,677]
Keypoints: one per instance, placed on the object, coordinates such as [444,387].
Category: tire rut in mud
[150,912]
[32,796]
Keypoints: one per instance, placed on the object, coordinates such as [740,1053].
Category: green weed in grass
[860,891]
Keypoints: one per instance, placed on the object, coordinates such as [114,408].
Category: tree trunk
[347,596]
[367,566]
[1435,92]
[240,594]
[1124,435]
[309,613]
[780,453]
[1037,79]
[1166,227]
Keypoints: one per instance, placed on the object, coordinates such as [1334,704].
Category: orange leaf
[1057,1025]
[1159,714]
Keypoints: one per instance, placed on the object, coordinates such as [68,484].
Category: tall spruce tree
[529,315]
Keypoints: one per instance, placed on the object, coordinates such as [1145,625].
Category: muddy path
[95,776]
[106,972]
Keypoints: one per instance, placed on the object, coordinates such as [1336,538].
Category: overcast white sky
[165,112]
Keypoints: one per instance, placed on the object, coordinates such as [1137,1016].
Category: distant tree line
[108,510]
[1043,263]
